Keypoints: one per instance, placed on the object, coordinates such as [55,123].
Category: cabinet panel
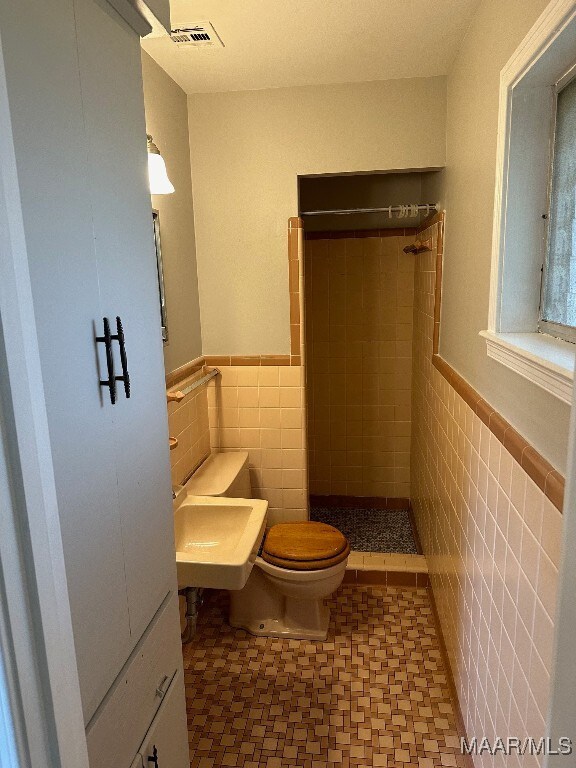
[40,53]
[109,51]
[167,741]
[116,731]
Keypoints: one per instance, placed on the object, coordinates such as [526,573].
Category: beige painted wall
[247,150]
[167,121]
[468,196]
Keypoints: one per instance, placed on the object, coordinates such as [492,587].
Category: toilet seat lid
[305,542]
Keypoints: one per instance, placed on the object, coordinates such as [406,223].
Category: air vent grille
[199,35]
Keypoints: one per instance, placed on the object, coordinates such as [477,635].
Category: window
[532,314]
[558,307]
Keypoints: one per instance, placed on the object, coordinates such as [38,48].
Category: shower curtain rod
[389,209]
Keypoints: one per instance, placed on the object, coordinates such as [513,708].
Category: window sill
[542,359]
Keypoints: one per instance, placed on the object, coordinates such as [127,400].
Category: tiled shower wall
[492,539]
[359,296]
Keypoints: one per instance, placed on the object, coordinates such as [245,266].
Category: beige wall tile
[271,438]
[292,438]
[291,418]
[268,376]
[292,478]
[269,397]
[228,397]
[290,397]
[270,418]
[249,417]
[228,376]
[492,540]
[189,422]
[247,376]
[290,376]
[272,458]
[245,414]
[248,397]
[250,438]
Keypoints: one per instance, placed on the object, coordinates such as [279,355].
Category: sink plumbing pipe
[194,601]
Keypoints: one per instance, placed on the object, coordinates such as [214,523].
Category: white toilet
[298,566]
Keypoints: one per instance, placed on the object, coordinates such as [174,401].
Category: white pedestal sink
[217,540]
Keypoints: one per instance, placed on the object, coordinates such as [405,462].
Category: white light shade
[160,184]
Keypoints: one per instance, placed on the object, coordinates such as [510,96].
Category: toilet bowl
[279,602]
[299,565]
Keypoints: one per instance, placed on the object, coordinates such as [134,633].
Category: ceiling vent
[199,35]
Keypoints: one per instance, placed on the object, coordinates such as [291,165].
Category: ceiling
[280,43]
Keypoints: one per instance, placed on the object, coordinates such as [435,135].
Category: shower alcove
[358,297]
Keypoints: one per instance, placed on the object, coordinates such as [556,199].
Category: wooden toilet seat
[304,546]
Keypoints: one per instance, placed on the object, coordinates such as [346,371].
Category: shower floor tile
[374,694]
[371,530]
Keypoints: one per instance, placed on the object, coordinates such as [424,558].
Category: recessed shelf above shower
[376,200]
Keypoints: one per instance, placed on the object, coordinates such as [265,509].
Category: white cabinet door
[166,743]
[40,54]
[110,71]
[116,733]
[76,105]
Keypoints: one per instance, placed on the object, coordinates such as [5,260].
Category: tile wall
[359,295]
[260,408]
[257,404]
[188,422]
[492,539]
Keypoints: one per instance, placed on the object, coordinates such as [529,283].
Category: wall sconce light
[160,184]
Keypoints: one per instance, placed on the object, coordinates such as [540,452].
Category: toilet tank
[222,474]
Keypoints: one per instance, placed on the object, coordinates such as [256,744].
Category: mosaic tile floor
[371,530]
[373,695]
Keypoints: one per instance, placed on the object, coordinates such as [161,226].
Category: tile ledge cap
[548,479]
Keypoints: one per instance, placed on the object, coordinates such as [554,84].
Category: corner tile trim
[434,218]
[295,269]
[549,480]
[184,371]
[224,360]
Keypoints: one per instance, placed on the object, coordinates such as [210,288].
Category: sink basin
[217,540]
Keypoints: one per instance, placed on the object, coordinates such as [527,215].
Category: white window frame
[560,331]
[527,101]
